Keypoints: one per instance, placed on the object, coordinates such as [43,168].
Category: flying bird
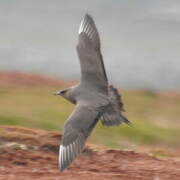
[94,98]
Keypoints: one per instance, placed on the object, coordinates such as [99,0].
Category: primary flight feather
[95,99]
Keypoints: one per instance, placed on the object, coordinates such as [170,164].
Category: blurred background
[140,45]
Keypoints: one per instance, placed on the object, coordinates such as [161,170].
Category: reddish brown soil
[26,79]
[33,154]
[21,79]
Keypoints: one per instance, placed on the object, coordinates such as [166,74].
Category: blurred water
[140,39]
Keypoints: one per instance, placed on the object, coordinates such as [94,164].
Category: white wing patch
[87,27]
[68,153]
[81,27]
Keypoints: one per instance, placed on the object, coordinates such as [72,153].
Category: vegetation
[155,117]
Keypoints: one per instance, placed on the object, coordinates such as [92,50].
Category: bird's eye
[63,91]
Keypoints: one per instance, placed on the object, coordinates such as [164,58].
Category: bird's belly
[94,98]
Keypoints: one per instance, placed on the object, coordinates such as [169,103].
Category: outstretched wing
[76,130]
[89,52]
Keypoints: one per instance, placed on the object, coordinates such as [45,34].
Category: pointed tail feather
[113,115]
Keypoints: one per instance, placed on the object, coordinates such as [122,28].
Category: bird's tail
[113,115]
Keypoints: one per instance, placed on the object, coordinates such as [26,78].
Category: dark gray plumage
[93,97]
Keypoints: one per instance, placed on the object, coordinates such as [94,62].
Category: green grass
[155,118]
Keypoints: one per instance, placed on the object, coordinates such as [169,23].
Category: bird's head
[62,93]
[67,94]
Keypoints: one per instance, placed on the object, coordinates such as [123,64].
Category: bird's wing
[113,114]
[76,130]
[89,52]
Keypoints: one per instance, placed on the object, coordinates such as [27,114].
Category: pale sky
[140,39]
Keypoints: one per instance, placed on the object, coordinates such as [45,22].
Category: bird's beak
[57,93]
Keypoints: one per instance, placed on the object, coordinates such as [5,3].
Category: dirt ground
[33,154]
[16,79]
